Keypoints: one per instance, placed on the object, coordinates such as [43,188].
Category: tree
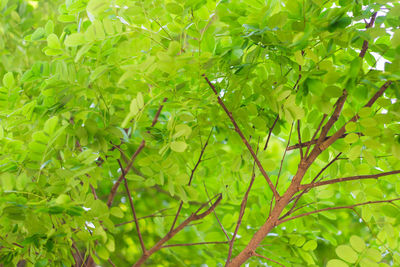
[163,133]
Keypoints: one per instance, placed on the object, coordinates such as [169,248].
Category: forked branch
[237,129]
[193,217]
[114,189]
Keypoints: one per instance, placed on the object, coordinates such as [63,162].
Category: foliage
[157,132]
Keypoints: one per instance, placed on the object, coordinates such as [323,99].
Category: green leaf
[133,107]
[333,91]
[373,254]
[357,243]
[8,80]
[174,8]
[178,146]
[139,100]
[395,41]
[336,263]
[75,39]
[53,42]
[351,138]
[117,212]
[310,245]
[346,253]
[96,7]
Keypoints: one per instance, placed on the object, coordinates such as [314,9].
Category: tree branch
[241,213]
[261,256]
[270,132]
[299,137]
[193,217]
[195,244]
[336,113]
[292,209]
[337,208]
[345,179]
[314,141]
[315,134]
[365,43]
[128,192]
[342,130]
[237,129]
[191,178]
[114,189]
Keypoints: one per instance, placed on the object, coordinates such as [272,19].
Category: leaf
[8,80]
[139,99]
[96,7]
[134,109]
[351,138]
[395,41]
[299,57]
[53,42]
[336,263]
[333,91]
[178,146]
[357,243]
[116,212]
[373,254]
[310,245]
[50,125]
[346,253]
[75,39]
[174,8]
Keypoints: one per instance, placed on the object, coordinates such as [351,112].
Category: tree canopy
[200,133]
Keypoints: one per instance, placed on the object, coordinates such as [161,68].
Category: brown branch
[314,141]
[215,214]
[283,157]
[270,132]
[335,116]
[114,189]
[315,133]
[297,198]
[128,192]
[195,244]
[155,214]
[191,178]
[299,137]
[261,256]
[345,179]
[193,217]
[342,130]
[237,129]
[337,208]
[365,43]
[241,213]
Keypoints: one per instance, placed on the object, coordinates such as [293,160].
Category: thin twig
[270,132]
[365,43]
[299,137]
[155,214]
[191,178]
[128,192]
[315,134]
[261,256]
[195,244]
[237,129]
[216,216]
[345,179]
[242,210]
[338,208]
[114,189]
